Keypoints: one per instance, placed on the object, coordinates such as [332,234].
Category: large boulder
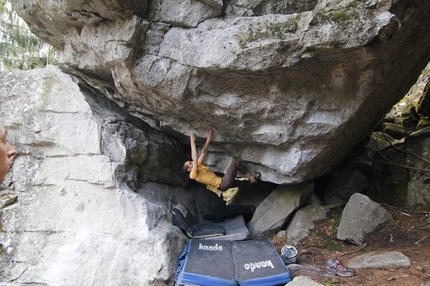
[90,194]
[289,88]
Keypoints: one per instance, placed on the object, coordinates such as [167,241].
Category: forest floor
[408,233]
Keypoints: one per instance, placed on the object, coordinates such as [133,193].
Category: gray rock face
[289,88]
[344,183]
[360,216]
[406,185]
[72,212]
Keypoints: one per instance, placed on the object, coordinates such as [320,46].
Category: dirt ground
[407,233]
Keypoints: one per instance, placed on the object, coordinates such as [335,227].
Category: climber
[204,175]
[6,154]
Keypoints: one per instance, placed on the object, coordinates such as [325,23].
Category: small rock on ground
[386,260]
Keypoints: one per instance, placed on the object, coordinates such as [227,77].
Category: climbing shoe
[256,176]
[334,267]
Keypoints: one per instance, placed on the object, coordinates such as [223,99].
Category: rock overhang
[288,94]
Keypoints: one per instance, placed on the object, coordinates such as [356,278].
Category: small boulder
[361,216]
[303,222]
[273,212]
[386,260]
[303,280]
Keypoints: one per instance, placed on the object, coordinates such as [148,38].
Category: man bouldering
[204,175]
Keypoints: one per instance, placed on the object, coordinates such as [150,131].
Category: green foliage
[271,31]
[346,14]
[19,48]
[340,16]
[328,243]
[336,217]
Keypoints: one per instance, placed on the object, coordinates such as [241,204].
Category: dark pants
[229,179]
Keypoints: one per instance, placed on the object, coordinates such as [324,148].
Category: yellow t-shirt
[206,176]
